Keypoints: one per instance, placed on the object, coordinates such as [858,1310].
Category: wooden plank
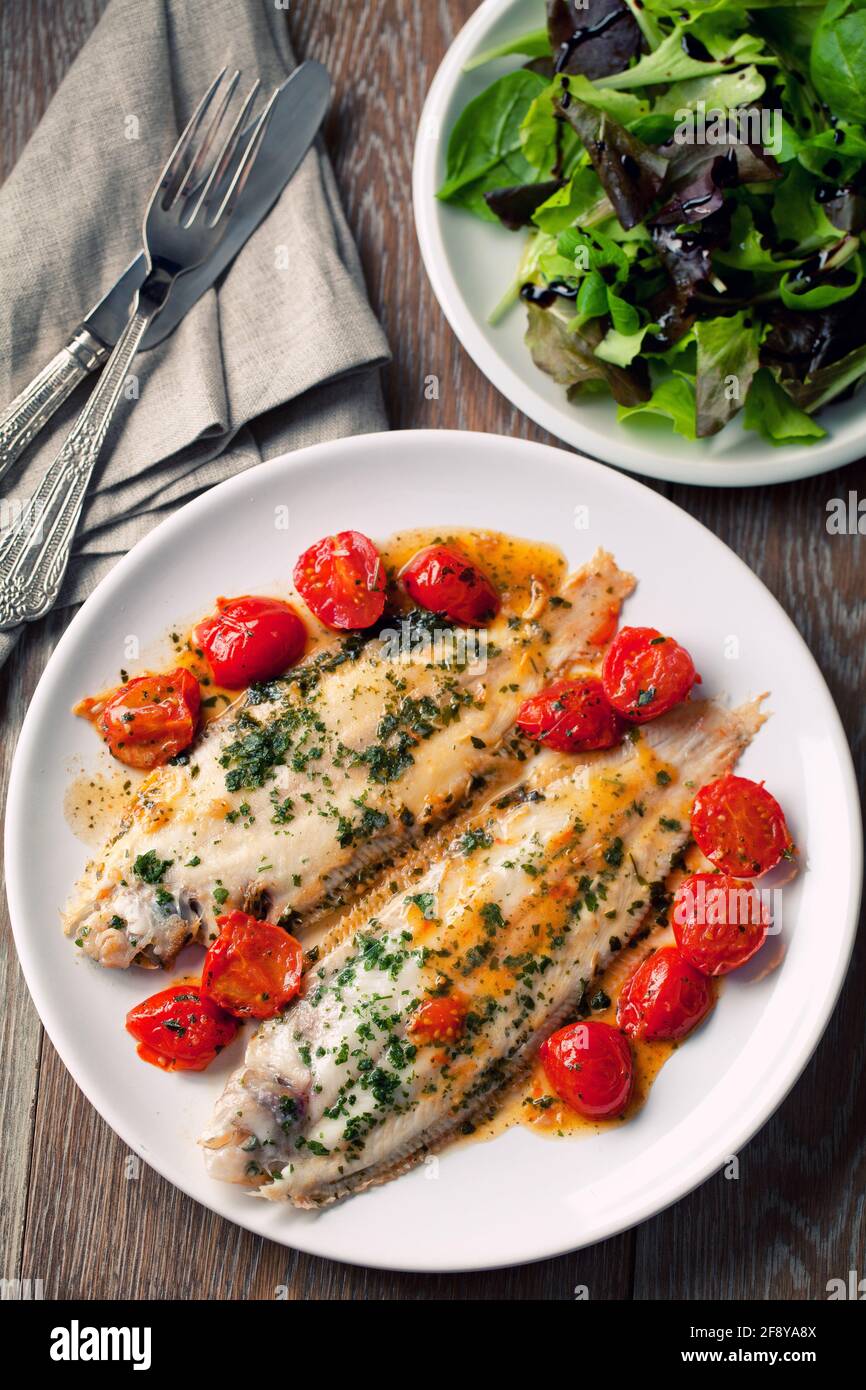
[20,1030]
[38,41]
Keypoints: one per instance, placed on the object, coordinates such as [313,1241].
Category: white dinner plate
[471,264]
[518,1197]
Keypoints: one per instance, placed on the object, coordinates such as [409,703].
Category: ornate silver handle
[35,552]
[35,405]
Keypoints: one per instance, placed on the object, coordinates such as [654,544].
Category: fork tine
[225,156]
[196,168]
[242,173]
[173,173]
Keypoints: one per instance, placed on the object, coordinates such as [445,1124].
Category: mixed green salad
[693,178]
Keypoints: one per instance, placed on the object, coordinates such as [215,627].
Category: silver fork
[185,221]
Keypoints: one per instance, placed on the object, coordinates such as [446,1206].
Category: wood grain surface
[71,1212]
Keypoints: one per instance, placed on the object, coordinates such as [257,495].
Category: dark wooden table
[69,1215]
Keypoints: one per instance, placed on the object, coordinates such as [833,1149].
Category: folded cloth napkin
[282,354]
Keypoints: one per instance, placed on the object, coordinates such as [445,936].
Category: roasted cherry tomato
[645,674]
[589,1065]
[253,968]
[664,999]
[571,716]
[440,1020]
[342,580]
[250,639]
[180,1029]
[444,581]
[740,827]
[719,922]
[150,719]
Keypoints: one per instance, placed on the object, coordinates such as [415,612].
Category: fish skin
[355,1003]
[184,813]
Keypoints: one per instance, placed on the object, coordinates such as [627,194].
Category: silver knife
[296,116]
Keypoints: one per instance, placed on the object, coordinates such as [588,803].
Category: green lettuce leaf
[582,199]
[673,399]
[746,249]
[622,348]
[485,150]
[799,219]
[770,410]
[670,62]
[837,154]
[838,66]
[720,91]
[813,291]
[625,107]
[535,44]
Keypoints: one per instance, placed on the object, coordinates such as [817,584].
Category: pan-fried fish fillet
[517,915]
[332,768]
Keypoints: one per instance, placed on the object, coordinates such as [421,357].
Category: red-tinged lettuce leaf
[543,66]
[827,383]
[846,209]
[596,38]
[703,196]
[698,177]
[670,312]
[688,160]
[813,353]
[728,358]
[514,206]
[699,174]
[569,358]
[801,342]
[630,172]
[698,184]
[688,260]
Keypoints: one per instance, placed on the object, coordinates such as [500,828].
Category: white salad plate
[471,263]
[519,1197]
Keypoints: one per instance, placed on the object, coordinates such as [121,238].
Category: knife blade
[298,111]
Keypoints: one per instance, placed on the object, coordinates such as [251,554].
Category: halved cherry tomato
[590,1067]
[571,716]
[253,968]
[179,1029]
[150,719]
[719,922]
[444,581]
[440,1020]
[740,827]
[645,674]
[250,639]
[664,999]
[342,580]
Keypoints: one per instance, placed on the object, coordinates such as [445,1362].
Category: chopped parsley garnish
[426,904]
[473,840]
[491,916]
[150,868]
[613,854]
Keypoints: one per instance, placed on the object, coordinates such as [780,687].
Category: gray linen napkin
[299,346]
